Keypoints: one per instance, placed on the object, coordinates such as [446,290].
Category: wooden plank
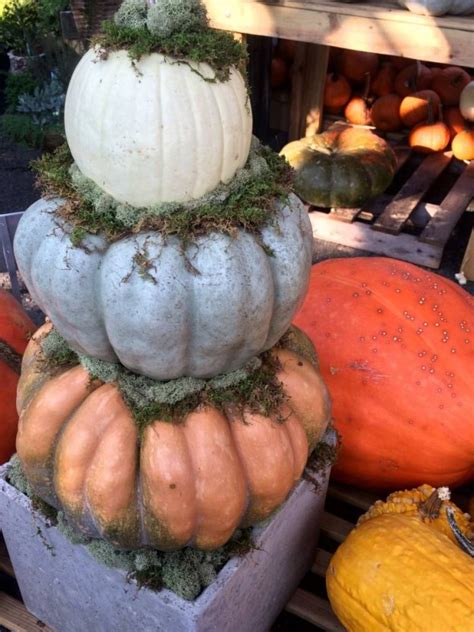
[379,30]
[15,617]
[307,92]
[452,207]
[315,610]
[335,527]
[260,55]
[409,196]
[352,496]
[362,237]
[321,562]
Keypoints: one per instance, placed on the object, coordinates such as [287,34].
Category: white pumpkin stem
[466,544]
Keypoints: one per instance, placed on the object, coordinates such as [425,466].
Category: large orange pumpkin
[173,484]
[396,348]
[15,329]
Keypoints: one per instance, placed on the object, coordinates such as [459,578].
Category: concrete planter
[67,589]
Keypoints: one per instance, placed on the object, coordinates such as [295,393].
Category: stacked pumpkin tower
[167,403]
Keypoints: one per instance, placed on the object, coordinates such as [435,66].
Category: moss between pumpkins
[254,387]
[247,202]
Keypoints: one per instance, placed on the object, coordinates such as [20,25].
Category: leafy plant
[21,129]
[19,26]
[16,85]
[44,105]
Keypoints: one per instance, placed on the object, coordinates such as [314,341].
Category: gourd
[163,312]
[430,136]
[438,7]
[151,149]
[414,77]
[15,329]
[385,113]
[466,101]
[384,81]
[172,484]
[357,111]
[355,65]
[395,345]
[449,84]
[402,567]
[337,91]
[463,145]
[342,167]
[414,108]
[454,120]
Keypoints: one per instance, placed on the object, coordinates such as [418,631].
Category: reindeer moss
[248,202]
[177,29]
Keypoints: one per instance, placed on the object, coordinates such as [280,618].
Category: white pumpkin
[466,102]
[156,131]
[439,7]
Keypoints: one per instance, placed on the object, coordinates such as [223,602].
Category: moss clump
[321,459]
[175,28]
[248,202]
[56,350]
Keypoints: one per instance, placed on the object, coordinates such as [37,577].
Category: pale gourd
[161,312]
[466,103]
[156,130]
[439,7]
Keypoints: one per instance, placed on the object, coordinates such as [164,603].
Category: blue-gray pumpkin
[160,312]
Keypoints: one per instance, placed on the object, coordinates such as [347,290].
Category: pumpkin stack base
[67,589]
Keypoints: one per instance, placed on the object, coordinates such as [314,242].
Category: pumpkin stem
[431,507]
[431,118]
[365,94]
[10,356]
[466,544]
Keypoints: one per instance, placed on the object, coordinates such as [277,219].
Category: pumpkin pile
[169,405]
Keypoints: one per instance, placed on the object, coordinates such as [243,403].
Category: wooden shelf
[376,26]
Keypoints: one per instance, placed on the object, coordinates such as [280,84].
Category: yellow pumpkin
[403,569]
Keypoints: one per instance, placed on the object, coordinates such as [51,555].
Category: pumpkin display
[454,120]
[402,567]
[449,83]
[414,108]
[385,113]
[463,145]
[342,167]
[355,65]
[438,7]
[138,300]
[337,91]
[141,152]
[15,329]
[395,345]
[176,484]
[412,78]
[466,101]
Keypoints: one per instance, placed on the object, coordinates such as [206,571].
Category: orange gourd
[429,137]
[337,91]
[449,83]
[15,329]
[355,65]
[463,145]
[357,111]
[384,81]
[161,483]
[396,349]
[454,120]
[412,78]
[386,113]
[414,108]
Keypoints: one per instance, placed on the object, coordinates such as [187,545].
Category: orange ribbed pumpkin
[174,484]
[15,329]
[396,349]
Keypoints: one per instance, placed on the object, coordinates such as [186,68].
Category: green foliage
[18,26]
[19,128]
[16,85]
[48,15]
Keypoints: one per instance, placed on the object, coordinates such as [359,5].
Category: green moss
[321,459]
[56,350]
[247,202]
[167,17]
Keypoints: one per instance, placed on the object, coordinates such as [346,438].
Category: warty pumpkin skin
[15,329]
[396,348]
[155,131]
[341,167]
[169,319]
[191,483]
[403,571]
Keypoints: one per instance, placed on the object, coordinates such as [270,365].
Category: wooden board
[369,26]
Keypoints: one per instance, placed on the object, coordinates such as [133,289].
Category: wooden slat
[335,527]
[378,29]
[315,610]
[321,562]
[452,207]
[362,237]
[352,496]
[15,617]
[410,195]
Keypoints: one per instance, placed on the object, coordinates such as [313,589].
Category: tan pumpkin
[191,483]
[463,145]
[385,113]
[403,567]
[414,108]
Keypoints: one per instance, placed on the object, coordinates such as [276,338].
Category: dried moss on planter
[247,202]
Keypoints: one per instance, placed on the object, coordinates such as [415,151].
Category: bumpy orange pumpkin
[189,483]
[396,348]
[15,329]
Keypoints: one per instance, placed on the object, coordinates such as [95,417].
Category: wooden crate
[308,604]
[414,219]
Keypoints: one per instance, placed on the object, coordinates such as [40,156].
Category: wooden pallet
[411,222]
[308,604]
